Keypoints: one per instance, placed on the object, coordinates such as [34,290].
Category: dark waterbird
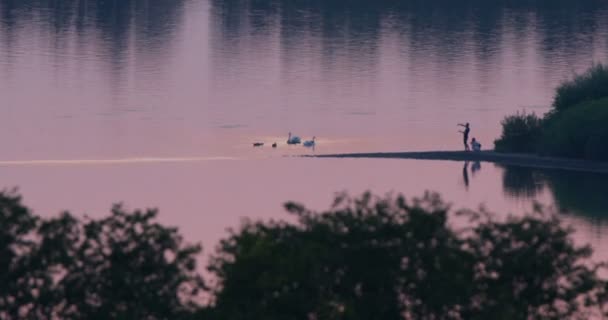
[293,139]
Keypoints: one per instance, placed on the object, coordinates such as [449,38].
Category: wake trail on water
[53,162]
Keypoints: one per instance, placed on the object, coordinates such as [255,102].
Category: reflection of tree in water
[581,193]
[521,182]
[113,29]
[114,20]
[447,28]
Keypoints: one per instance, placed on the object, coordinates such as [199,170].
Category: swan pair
[296,140]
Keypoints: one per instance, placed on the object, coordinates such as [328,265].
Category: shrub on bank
[591,85]
[575,128]
[578,132]
[521,133]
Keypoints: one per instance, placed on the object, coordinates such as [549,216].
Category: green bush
[579,132]
[575,128]
[520,133]
[591,85]
[123,266]
[388,258]
[364,258]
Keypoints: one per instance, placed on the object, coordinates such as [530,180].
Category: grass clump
[520,134]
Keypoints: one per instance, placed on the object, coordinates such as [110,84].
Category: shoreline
[512,159]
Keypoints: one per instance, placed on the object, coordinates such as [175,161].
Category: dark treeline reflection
[578,193]
[115,21]
[563,30]
[364,258]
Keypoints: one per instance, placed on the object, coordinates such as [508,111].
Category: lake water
[156,103]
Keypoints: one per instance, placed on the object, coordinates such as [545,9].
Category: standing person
[465,135]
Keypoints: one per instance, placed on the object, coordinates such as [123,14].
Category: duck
[293,139]
[274,145]
[310,143]
[258,144]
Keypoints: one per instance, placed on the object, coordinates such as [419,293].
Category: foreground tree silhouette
[22,279]
[365,258]
[372,258]
[125,266]
[530,268]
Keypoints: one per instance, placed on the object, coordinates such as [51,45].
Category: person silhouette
[475,145]
[465,135]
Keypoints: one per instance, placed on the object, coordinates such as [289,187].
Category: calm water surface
[156,103]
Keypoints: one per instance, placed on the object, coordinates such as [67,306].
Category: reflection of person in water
[475,167]
[465,174]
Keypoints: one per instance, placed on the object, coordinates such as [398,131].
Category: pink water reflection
[87,88]
[204,198]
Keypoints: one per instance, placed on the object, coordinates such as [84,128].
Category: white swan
[310,143]
[293,139]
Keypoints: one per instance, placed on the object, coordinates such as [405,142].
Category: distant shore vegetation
[576,126]
[366,257]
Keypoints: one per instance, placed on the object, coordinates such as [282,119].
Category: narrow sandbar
[513,159]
